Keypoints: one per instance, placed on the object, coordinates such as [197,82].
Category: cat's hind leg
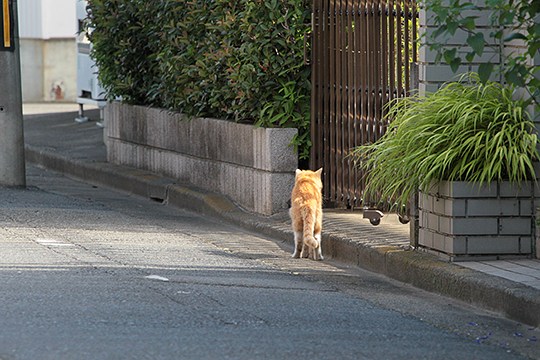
[317,253]
[298,243]
[306,251]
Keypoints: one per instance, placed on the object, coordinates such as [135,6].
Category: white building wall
[47,19]
[30,19]
[59,19]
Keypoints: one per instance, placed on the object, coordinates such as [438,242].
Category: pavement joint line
[422,270]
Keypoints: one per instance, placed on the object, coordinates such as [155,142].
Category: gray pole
[12,165]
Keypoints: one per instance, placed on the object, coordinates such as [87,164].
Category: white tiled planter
[253,166]
[464,221]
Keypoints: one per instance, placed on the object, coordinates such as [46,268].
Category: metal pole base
[81,118]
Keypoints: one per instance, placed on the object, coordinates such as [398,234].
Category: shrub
[466,131]
[240,60]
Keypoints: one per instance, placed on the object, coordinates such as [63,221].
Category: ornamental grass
[466,131]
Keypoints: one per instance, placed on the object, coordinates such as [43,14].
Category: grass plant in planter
[466,132]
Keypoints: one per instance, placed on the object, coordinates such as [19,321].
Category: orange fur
[306,214]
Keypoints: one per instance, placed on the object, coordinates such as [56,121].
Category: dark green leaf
[476,42]
[439,31]
[449,55]
[534,30]
[513,77]
[452,27]
[455,63]
[506,18]
[468,22]
[468,6]
[533,49]
[497,34]
[484,71]
[515,36]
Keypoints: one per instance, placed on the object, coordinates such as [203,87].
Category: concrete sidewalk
[56,142]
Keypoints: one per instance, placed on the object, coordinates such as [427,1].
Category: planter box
[253,166]
[464,221]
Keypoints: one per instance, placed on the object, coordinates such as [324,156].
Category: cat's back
[308,186]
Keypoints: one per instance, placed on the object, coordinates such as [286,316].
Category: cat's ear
[319,172]
[298,171]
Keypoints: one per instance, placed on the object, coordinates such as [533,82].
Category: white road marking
[156,277]
[52,242]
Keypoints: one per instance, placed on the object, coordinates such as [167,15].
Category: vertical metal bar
[357,96]
[377,11]
[320,81]
[399,48]
[407,44]
[363,75]
[372,70]
[316,92]
[345,103]
[338,95]
[414,15]
[391,47]
[329,173]
[344,95]
[358,93]
[384,57]
[341,111]
[350,183]
[314,89]
[367,71]
[318,46]
[414,38]
[331,100]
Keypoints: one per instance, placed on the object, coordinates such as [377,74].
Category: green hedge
[240,60]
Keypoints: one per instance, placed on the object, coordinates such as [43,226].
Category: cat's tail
[309,215]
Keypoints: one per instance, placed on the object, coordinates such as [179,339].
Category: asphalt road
[89,273]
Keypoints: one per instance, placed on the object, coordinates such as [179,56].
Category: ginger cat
[306,214]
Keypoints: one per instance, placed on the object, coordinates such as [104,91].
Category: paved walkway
[524,271]
[55,141]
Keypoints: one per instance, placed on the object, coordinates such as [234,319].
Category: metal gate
[362,56]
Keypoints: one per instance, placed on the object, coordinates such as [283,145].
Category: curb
[421,270]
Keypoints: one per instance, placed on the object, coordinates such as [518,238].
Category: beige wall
[48,70]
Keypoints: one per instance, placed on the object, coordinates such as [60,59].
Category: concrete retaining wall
[465,220]
[253,166]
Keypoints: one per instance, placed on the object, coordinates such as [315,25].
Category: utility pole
[12,164]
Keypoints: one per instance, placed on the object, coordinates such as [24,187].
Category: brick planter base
[464,221]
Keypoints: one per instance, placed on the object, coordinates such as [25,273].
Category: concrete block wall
[431,74]
[464,221]
[253,166]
